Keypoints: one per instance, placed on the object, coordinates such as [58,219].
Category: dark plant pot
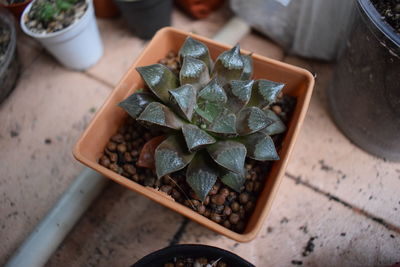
[145,17]
[364,97]
[162,256]
[105,8]
[10,67]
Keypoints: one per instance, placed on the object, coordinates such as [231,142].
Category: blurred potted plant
[67,29]
[16,7]
[192,255]
[105,8]
[145,17]
[9,63]
[217,115]
[199,9]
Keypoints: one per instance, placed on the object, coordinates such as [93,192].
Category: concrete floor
[345,199]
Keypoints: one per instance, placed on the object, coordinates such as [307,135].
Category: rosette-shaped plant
[214,116]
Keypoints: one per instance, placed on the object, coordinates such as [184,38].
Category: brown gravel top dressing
[222,205]
[199,262]
[390,11]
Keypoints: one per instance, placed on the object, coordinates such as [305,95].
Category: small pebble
[166,188]
[243,198]
[218,199]
[277,109]
[234,218]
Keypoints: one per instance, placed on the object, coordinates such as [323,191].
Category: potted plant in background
[67,29]
[368,71]
[211,187]
[16,7]
[192,255]
[145,17]
[105,8]
[200,9]
[9,63]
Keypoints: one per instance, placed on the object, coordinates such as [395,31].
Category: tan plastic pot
[299,83]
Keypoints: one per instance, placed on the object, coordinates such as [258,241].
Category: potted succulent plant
[16,7]
[192,255]
[9,63]
[212,116]
[67,29]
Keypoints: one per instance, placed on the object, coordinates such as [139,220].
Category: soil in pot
[47,16]
[222,205]
[199,262]
[390,11]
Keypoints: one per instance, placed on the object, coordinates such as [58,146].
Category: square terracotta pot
[299,83]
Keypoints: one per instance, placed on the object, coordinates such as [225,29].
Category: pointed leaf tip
[136,103]
[160,115]
[196,137]
[229,154]
[193,48]
[201,174]
[251,120]
[185,99]
[171,156]
[229,66]
[194,72]
[213,92]
[234,180]
[260,147]
[159,79]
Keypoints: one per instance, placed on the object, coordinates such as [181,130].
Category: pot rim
[376,18]
[173,250]
[57,33]
[304,77]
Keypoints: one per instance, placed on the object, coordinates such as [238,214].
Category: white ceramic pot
[78,46]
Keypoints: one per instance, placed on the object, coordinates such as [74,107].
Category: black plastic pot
[145,17]
[10,67]
[364,96]
[162,256]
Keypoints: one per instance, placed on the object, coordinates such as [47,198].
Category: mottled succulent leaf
[251,120]
[201,174]
[234,180]
[195,137]
[146,157]
[213,92]
[239,93]
[136,103]
[265,93]
[224,125]
[229,66]
[196,49]
[184,98]
[276,127]
[159,79]
[248,67]
[194,72]
[260,146]
[159,115]
[229,154]
[209,110]
[171,156]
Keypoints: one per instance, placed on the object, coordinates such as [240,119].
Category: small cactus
[213,115]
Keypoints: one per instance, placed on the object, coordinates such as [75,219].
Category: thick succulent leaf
[201,174]
[171,156]
[265,93]
[185,99]
[213,92]
[157,114]
[276,127]
[136,103]
[209,111]
[196,137]
[146,157]
[159,79]
[251,120]
[229,154]
[229,66]
[234,180]
[248,67]
[194,72]
[239,93]
[224,125]
[196,49]
[260,146]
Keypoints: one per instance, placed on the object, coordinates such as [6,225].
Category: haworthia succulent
[196,49]
[195,137]
[229,154]
[194,72]
[260,146]
[229,66]
[136,103]
[158,114]
[185,99]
